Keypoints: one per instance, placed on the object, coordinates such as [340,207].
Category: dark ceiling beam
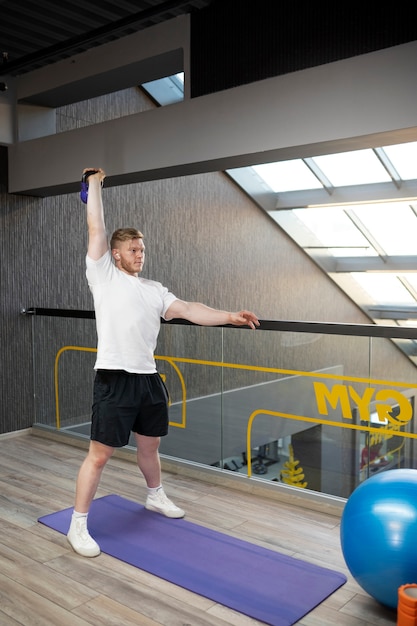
[134,74]
[96,36]
[155,52]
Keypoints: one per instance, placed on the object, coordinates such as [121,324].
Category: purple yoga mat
[270,587]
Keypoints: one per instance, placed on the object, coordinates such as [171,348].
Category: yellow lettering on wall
[377,438]
[374,439]
[338,393]
[385,399]
[362,402]
[384,410]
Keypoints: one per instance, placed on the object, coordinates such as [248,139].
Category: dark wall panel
[234,42]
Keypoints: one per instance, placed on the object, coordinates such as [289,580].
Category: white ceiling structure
[354,213]
[366,238]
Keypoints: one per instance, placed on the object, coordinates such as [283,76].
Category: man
[129,395]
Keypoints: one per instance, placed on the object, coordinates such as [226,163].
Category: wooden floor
[42,582]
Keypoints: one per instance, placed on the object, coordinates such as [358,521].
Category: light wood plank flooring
[44,583]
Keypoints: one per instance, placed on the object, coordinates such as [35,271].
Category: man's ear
[116,255]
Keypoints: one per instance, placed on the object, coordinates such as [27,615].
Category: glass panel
[393,225]
[404,159]
[166,90]
[319,412]
[287,176]
[384,288]
[333,228]
[411,279]
[186,359]
[295,422]
[64,357]
[392,444]
[353,168]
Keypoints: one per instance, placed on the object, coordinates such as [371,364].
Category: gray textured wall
[206,240]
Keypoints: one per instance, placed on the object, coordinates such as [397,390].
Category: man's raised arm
[97,236]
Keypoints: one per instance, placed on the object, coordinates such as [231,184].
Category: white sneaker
[80,539]
[161,504]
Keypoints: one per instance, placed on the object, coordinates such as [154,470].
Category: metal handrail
[325,328]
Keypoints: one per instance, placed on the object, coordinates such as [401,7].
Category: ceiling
[35,33]
[336,222]
[354,213]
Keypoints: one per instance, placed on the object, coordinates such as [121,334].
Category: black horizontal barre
[324,328]
[75,313]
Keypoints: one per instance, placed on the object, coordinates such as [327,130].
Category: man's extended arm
[97,236]
[205,316]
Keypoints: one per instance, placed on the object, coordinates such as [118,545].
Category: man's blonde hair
[124,234]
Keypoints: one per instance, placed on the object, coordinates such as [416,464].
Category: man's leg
[90,474]
[147,451]
[150,465]
[87,483]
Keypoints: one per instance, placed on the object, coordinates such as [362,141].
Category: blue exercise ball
[378,534]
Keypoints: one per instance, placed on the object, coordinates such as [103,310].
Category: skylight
[352,168]
[393,226]
[287,176]
[404,159]
[332,227]
[167,90]
[366,240]
[367,237]
[384,289]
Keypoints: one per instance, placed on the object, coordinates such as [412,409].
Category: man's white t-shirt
[128,316]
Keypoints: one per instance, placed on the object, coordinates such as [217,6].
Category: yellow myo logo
[385,400]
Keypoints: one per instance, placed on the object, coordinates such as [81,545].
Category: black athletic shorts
[125,403]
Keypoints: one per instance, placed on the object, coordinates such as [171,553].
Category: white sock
[77,515]
[153,490]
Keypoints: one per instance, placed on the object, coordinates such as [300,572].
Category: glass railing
[316,407]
